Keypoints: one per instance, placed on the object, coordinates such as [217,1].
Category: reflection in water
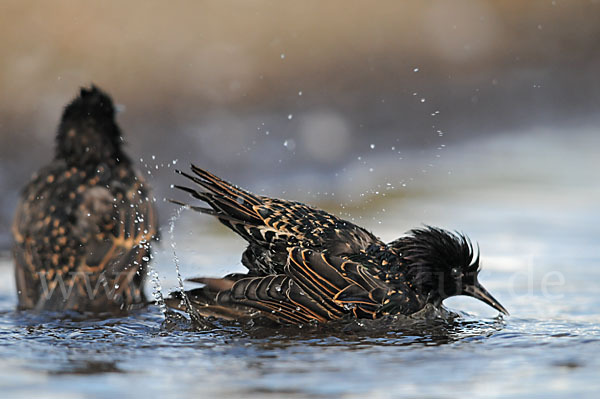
[78,366]
[550,345]
[429,327]
[259,359]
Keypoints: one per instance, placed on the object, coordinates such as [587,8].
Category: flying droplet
[290,144]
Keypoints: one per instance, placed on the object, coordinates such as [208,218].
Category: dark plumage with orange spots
[305,264]
[85,223]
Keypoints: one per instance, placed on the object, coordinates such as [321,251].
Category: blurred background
[335,103]
[477,116]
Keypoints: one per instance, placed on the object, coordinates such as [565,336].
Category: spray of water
[157,288]
[194,316]
[172,221]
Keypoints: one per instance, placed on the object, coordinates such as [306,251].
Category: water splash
[194,316]
[172,221]
[156,287]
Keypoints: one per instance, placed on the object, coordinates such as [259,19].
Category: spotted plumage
[85,223]
[305,264]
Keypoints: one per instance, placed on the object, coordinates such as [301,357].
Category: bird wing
[70,231]
[274,224]
[121,248]
[316,286]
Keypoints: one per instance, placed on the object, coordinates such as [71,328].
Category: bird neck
[81,149]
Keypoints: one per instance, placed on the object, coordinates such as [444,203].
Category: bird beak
[477,291]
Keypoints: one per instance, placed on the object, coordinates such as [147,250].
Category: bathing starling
[85,222]
[305,264]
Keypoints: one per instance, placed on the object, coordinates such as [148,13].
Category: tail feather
[217,185]
[225,198]
[200,209]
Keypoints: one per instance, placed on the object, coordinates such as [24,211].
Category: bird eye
[455,272]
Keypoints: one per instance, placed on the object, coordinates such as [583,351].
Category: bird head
[88,130]
[440,264]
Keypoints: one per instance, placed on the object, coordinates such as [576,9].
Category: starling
[306,265]
[85,222]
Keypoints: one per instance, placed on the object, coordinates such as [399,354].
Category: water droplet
[372,146]
[300,93]
[290,144]
[290,116]
[282,56]
[422,100]
[416,70]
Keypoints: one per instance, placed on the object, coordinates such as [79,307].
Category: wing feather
[272,225]
[78,232]
[315,287]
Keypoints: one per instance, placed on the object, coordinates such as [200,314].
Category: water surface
[532,204]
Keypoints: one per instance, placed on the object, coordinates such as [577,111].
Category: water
[532,203]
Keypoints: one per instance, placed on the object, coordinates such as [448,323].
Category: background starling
[307,265]
[85,222]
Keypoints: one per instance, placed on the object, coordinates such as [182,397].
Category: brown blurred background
[278,94]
